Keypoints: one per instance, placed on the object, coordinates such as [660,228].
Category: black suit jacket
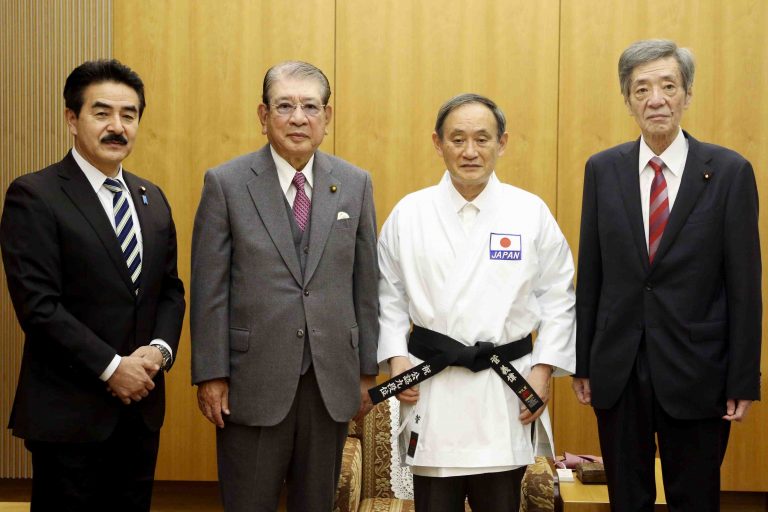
[699,304]
[75,301]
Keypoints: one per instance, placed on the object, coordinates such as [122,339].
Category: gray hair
[464,99]
[295,69]
[649,50]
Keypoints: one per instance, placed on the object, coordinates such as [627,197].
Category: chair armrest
[538,487]
[348,491]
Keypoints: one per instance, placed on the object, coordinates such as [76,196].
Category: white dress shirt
[97,178]
[674,158]
[285,174]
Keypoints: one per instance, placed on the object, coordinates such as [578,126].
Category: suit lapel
[691,187]
[76,186]
[268,196]
[324,211]
[629,181]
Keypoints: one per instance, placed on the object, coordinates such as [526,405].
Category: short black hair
[465,99]
[98,71]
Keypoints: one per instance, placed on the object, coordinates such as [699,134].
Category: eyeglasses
[286,109]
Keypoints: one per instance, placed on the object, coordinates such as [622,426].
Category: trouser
[304,451]
[691,451]
[486,492]
[115,474]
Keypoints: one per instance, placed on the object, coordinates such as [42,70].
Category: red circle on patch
[505,242]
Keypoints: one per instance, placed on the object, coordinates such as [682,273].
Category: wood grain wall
[551,65]
[41,41]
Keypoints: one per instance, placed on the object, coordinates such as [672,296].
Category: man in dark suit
[284,303]
[668,297]
[90,256]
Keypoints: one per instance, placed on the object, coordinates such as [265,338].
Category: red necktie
[301,204]
[659,207]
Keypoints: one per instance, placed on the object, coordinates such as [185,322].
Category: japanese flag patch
[505,246]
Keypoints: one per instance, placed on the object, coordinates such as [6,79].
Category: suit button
[648,287]
[306,293]
[306,250]
[300,333]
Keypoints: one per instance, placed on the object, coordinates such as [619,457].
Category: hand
[736,410]
[213,400]
[539,380]
[153,354]
[366,383]
[583,390]
[131,380]
[398,365]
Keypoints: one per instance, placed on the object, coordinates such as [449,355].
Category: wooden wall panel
[40,43]
[729,107]
[203,63]
[396,63]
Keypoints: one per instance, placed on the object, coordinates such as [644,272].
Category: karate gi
[498,277]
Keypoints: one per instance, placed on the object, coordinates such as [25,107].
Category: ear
[688,98]
[503,143]
[438,143]
[328,113]
[263,113]
[71,119]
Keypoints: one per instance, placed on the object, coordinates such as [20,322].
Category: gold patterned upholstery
[538,488]
[366,465]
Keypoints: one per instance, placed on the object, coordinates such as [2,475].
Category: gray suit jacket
[250,304]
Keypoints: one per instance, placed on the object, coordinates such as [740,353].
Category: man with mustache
[668,302]
[284,303]
[90,257]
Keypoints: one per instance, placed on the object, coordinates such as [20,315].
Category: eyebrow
[101,104]
[302,100]
[670,78]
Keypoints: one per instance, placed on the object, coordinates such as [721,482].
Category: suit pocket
[348,223]
[239,339]
[703,217]
[708,331]
[354,336]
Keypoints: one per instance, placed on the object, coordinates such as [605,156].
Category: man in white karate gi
[473,260]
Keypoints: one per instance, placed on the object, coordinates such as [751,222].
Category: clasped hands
[133,378]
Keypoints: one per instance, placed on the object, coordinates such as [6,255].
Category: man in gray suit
[284,303]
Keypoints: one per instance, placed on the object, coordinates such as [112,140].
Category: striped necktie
[126,234]
[658,213]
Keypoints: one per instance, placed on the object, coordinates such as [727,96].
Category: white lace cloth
[400,476]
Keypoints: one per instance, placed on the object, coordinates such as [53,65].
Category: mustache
[115,137]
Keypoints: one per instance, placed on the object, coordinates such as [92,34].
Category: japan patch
[506,247]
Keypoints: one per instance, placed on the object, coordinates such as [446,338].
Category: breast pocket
[704,216]
[348,223]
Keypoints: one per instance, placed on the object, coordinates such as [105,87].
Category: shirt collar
[95,177]
[285,171]
[673,157]
[481,201]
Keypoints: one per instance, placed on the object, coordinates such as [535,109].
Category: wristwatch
[166,357]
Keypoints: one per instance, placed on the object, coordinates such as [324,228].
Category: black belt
[439,351]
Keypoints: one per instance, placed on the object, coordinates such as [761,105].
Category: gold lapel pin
[707,175]
[333,189]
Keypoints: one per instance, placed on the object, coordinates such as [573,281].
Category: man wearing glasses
[284,303]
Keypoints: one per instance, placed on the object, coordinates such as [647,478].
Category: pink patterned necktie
[301,204]
[659,207]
